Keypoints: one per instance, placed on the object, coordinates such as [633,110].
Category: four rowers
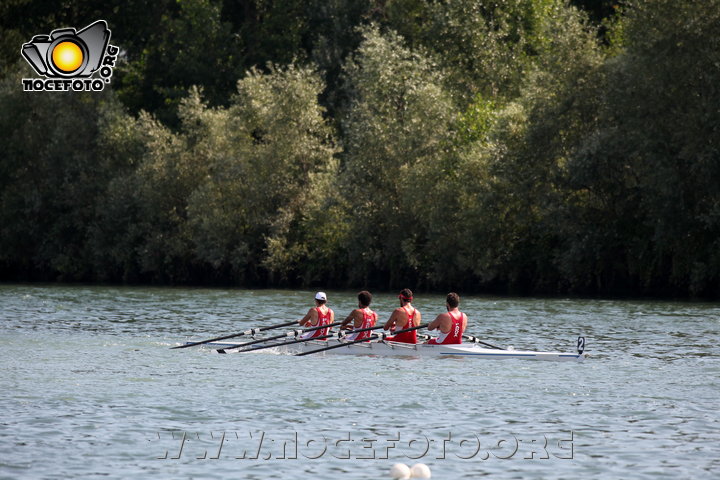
[451,325]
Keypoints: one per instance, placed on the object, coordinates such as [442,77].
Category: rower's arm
[355,317]
[347,320]
[307,319]
[435,323]
[391,321]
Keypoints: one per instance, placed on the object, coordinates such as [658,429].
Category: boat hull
[395,349]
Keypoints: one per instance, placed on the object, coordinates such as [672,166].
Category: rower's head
[452,300]
[405,296]
[320,298]
[364,299]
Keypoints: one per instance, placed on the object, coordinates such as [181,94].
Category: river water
[89,388]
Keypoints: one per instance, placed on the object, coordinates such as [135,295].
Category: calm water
[90,389]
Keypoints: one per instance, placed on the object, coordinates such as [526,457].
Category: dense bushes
[488,146]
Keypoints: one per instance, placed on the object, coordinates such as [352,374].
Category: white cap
[321,296]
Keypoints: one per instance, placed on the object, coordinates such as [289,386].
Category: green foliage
[268,150]
[518,160]
[513,146]
[659,102]
[50,176]
[476,123]
[176,57]
[486,47]
[395,129]
[226,197]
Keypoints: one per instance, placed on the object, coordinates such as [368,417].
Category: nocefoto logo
[68,58]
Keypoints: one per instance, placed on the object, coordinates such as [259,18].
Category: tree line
[507,146]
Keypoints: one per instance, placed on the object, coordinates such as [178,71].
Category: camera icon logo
[68,59]
[67,53]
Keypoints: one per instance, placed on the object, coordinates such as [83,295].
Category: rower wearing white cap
[318,316]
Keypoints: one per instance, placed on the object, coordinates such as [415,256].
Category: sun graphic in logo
[67,56]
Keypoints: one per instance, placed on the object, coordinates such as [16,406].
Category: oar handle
[319,327]
[381,336]
[350,332]
[406,330]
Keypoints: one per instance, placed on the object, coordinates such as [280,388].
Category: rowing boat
[388,348]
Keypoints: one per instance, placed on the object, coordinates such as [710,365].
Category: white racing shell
[383,348]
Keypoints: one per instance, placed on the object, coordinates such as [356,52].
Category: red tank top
[323,319]
[454,336]
[369,319]
[406,337]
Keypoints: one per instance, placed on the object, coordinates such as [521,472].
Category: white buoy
[400,471]
[420,470]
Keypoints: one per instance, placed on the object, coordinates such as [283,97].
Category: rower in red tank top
[318,316]
[404,317]
[451,324]
[362,318]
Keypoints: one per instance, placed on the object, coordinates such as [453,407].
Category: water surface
[91,389]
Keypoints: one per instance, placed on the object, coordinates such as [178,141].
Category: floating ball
[420,470]
[400,471]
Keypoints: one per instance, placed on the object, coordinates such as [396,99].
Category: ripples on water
[91,389]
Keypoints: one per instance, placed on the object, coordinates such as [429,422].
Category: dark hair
[406,294]
[453,299]
[365,298]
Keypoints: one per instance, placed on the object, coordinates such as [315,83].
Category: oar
[371,337]
[292,342]
[350,332]
[340,334]
[289,334]
[293,333]
[252,331]
[477,340]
